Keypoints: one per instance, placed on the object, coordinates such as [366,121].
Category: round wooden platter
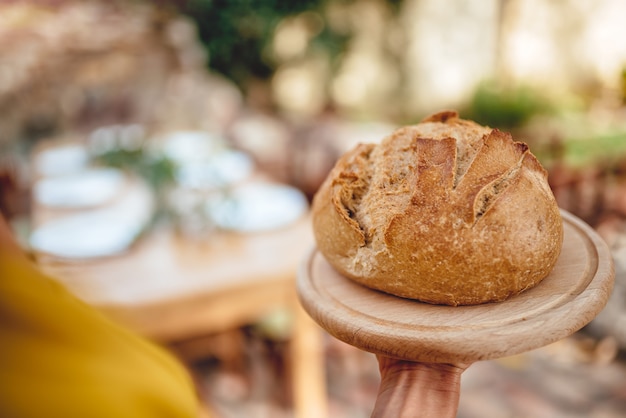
[574,292]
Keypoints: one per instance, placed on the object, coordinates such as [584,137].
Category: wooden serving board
[574,292]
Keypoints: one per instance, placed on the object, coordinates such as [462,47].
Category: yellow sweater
[61,358]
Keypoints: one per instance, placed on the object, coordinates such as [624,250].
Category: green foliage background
[237,34]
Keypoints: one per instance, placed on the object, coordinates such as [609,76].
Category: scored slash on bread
[445,211]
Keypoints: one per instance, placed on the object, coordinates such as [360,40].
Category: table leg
[308,368]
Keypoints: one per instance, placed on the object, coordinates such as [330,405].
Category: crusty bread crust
[445,211]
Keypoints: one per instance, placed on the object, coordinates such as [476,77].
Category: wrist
[410,389]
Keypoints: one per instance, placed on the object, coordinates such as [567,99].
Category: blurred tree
[238,34]
[504,107]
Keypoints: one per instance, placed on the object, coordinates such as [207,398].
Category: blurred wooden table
[170,288]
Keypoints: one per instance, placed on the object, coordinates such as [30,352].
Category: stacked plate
[98,232]
[96,212]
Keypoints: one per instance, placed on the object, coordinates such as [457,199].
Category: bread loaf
[445,211]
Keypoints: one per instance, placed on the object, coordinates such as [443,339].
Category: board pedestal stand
[574,292]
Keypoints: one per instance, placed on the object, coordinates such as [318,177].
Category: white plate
[61,160]
[224,169]
[79,190]
[257,207]
[188,146]
[85,236]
